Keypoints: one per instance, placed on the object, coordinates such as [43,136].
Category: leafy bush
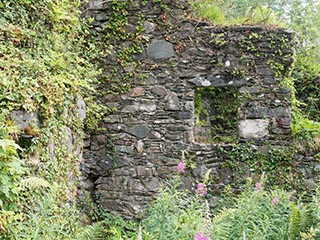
[180,215]
[45,68]
[263,215]
[108,226]
[176,215]
[10,163]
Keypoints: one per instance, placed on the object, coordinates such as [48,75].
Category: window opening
[216,114]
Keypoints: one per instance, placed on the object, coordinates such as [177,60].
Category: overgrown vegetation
[44,61]
[255,214]
[44,66]
[278,165]
[217,114]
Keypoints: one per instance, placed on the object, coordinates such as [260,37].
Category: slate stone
[182,115]
[149,27]
[264,70]
[159,90]
[23,119]
[140,131]
[160,49]
[172,102]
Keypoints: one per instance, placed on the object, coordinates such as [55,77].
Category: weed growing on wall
[278,165]
[216,109]
[45,69]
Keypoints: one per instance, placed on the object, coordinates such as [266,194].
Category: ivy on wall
[216,109]
[45,68]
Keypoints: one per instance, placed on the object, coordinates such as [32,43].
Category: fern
[222,224]
[95,231]
[34,183]
[294,221]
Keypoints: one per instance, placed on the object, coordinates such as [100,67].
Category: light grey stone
[148,107]
[130,109]
[160,49]
[139,146]
[189,106]
[23,119]
[149,27]
[81,108]
[125,149]
[253,128]
[155,135]
[173,102]
[101,17]
[317,168]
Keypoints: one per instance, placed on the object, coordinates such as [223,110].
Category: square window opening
[216,115]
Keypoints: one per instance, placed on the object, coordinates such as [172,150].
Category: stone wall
[142,142]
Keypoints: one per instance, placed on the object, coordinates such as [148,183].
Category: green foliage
[306,79]
[175,215]
[231,12]
[254,214]
[11,166]
[208,10]
[217,109]
[278,165]
[108,226]
[45,67]
[259,215]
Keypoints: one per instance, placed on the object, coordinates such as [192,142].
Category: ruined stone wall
[142,141]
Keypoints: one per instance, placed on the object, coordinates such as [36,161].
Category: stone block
[159,90]
[149,106]
[130,109]
[140,146]
[160,49]
[136,92]
[140,131]
[23,119]
[81,108]
[253,128]
[149,27]
[143,171]
[173,102]
[183,115]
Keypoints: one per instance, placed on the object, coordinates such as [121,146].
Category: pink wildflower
[275,201]
[201,189]
[258,187]
[181,167]
[201,236]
